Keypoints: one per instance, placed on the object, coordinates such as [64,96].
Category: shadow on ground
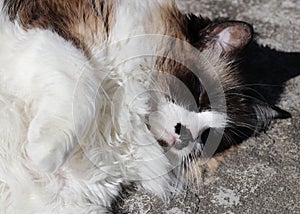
[267,70]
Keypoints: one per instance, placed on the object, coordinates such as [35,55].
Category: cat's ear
[227,37]
[272,112]
[265,113]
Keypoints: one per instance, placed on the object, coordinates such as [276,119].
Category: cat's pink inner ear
[231,37]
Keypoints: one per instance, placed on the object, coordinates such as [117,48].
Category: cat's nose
[186,135]
[178,128]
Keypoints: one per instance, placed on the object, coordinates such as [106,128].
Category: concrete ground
[263,175]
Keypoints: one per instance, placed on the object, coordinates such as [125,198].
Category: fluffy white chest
[46,82]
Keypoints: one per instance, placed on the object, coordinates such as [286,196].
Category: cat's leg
[50,136]
[64,113]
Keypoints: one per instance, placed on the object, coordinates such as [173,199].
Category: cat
[95,95]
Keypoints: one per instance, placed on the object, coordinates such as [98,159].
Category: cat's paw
[47,148]
[45,156]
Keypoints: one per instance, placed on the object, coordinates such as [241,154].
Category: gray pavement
[263,175]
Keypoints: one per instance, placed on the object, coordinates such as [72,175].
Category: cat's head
[206,107]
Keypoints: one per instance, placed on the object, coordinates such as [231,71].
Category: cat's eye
[204,136]
[199,88]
